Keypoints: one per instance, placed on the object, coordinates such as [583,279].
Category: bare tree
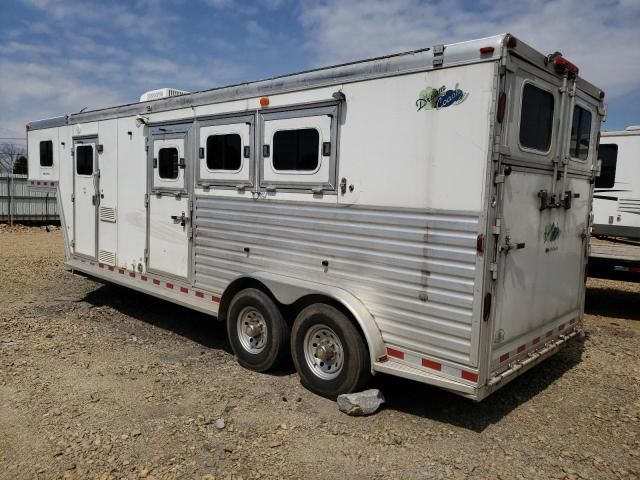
[9,153]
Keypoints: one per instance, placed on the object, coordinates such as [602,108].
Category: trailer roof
[454,54]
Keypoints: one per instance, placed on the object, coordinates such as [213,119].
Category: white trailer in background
[615,244]
[424,214]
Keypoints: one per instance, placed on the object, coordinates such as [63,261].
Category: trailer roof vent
[161,93]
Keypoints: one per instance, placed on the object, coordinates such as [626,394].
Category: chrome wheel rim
[252,330]
[323,352]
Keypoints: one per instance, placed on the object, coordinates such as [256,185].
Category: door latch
[182,219]
[508,246]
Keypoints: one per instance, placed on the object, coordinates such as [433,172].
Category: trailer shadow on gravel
[197,327]
[612,302]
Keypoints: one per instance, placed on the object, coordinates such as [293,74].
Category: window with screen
[580,133]
[536,118]
[168,163]
[296,150]
[224,152]
[46,153]
[84,160]
[608,154]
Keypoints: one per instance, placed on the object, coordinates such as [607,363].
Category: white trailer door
[86,198]
[169,206]
[541,260]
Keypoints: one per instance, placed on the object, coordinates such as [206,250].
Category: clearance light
[486,49]
[512,41]
[601,94]
[502,105]
[563,64]
[264,102]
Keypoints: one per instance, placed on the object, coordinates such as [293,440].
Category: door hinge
[73,244]
[498,179]
[438,55]
[493,268]
[146,148]
[146,255]
[146,200]
[496,228]
[73,198]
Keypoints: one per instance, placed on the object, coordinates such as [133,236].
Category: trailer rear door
[542,224]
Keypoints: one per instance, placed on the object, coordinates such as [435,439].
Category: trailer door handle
[182,219]
[507,247]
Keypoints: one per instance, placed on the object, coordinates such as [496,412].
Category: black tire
[276,344]
[356,365]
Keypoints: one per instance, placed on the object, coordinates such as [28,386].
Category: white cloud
[602,38]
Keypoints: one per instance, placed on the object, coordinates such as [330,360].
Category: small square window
[536,118]
[580,133]
[46,153]
[296,150]
[224,152]
[84,160]
[168,163]
[608,154]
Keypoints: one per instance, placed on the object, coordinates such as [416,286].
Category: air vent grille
[107,214]
[107,257]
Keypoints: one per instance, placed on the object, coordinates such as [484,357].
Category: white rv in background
[424,214]
[615,246]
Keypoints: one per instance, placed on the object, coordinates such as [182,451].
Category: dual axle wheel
[328,351]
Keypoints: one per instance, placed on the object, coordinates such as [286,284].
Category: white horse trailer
[616,201]
[615,245]
[424,214]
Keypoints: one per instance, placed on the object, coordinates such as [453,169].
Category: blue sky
[58,56]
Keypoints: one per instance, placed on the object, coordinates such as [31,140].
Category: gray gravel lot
[97,381]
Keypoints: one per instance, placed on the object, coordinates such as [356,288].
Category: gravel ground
[100,382]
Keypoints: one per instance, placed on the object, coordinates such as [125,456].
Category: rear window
[580,133]
[608,154]
[536,118]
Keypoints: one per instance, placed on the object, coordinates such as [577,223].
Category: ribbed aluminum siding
[414,270]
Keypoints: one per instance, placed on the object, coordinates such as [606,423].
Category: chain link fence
[19,204]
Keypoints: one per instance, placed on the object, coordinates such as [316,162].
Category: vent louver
[106,257]
[107,214]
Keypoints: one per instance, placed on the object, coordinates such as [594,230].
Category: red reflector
[392,352]
[502,106]
[470,376]
[487,307]
[480,242]
[512,41]
[486,49]
[635,269]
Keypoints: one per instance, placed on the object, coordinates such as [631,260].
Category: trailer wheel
[258,334]
[329,353]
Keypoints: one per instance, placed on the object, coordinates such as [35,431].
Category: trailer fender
[288,290]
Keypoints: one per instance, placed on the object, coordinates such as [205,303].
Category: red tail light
[480,242]
[486,311]
[563,64]
[502,105]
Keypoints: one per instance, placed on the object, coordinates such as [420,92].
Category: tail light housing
[561,65]
[502,105]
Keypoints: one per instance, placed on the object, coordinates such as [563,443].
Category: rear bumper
[520,366]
